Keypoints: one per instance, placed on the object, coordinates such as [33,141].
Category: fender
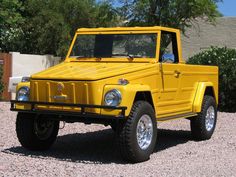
[19,85]
[128,93]
[198,98]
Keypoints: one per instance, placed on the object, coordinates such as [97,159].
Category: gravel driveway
[90,150]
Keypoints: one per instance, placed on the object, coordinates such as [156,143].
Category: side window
[169,48]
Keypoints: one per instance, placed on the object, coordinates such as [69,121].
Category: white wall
[26,65]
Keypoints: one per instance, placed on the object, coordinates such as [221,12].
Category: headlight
[112,97]
[25,79]
[23,94]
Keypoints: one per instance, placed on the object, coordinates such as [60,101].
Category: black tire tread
[125,141]
[26,136]
[198,129]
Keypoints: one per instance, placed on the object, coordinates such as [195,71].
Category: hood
[89,70]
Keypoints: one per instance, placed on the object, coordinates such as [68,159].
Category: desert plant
[225,58]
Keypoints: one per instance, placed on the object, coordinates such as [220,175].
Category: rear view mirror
[168,58]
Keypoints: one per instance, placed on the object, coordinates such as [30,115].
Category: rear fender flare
[201,88]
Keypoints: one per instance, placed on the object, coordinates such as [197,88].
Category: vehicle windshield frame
[157,42]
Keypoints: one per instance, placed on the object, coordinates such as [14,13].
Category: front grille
[74,92]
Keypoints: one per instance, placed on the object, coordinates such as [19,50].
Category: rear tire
[203,126]
[137,136]
[36,133]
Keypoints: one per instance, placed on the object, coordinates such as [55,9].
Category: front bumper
[71,116]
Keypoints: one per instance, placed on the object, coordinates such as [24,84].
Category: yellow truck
[130,78]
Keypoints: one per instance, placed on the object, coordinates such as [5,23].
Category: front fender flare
[128,93]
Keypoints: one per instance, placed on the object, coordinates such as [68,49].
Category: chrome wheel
[210,118]
[43,128]
[144,131]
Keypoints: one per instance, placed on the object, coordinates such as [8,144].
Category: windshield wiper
[88,58]
[78,57]
[130,56]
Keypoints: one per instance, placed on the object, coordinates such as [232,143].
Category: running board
[179,116]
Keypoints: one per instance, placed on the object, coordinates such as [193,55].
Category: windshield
[114,46]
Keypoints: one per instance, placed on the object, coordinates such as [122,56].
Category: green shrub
[1,83]
[225,58]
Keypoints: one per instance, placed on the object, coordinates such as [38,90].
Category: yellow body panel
[200,94]
[179,93]
[128,93]
[23,106]
[176,88]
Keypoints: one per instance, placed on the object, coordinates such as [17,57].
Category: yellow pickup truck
[130,78]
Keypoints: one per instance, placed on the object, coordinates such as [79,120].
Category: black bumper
[71,116]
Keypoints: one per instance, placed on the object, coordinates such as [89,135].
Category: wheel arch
[130,93]
[144,96]
[204,88]
[209,91]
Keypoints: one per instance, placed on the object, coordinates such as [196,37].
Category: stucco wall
[25,65]
[204,35]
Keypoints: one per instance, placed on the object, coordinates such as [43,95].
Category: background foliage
[47,26]
[225,58]
[171,13]
[10,22]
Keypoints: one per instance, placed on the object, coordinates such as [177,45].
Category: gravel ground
[90,150]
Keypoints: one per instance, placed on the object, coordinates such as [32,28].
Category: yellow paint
[128,93]
[176,89]
[23,106]
[200,94]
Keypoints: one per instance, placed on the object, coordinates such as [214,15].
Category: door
[170,102]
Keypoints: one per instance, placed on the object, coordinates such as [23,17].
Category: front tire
[114,126]
[36,133]
[137,137]
[203,126]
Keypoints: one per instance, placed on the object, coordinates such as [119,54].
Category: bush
[225,58]
[1,82]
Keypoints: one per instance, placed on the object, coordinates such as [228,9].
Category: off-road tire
[127,136]
[114,127]
[198,124]
[27,136]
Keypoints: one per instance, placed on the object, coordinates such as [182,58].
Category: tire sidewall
[25,129]
[148,110]
[210,102]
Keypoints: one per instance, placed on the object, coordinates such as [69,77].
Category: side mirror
[168,58]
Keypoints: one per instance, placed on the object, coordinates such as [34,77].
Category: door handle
[177,73]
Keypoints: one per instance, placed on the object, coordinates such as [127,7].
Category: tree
[10,21]
[171,13]
[49,25]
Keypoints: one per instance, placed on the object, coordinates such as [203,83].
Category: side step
[179,116]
